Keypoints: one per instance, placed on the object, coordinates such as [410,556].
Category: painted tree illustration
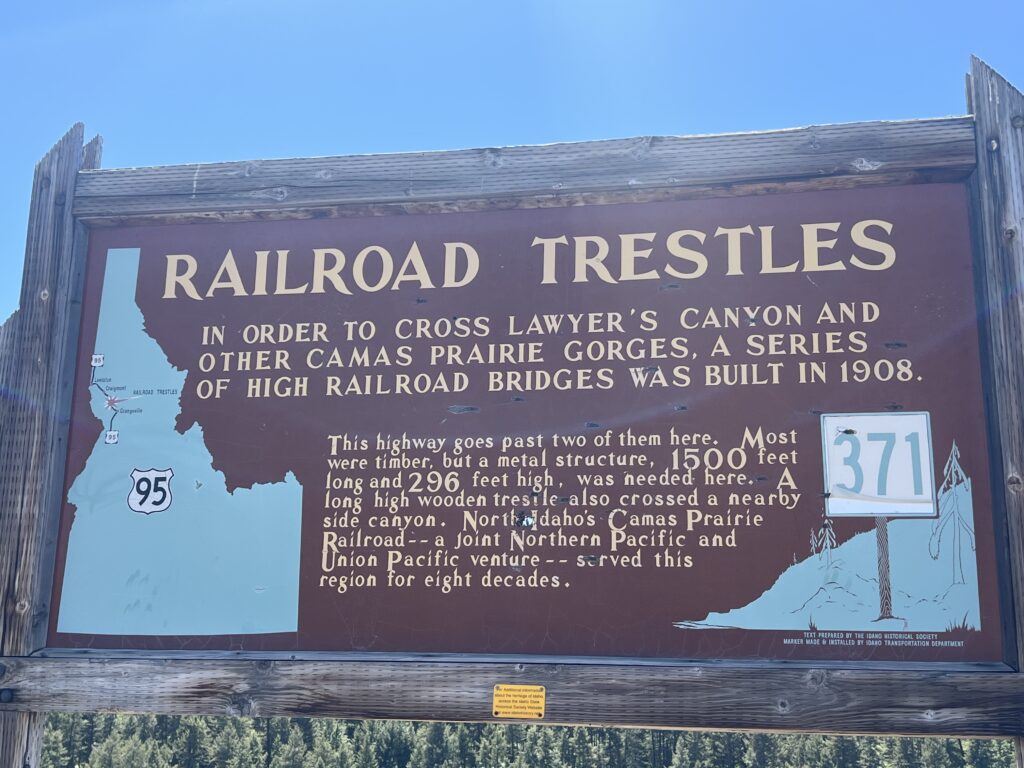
[954,523]
[824,540]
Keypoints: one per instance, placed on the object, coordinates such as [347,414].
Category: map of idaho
[158,545]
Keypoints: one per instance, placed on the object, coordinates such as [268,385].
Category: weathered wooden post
[998,189]
[36,346]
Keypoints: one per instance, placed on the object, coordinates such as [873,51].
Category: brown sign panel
[718,429]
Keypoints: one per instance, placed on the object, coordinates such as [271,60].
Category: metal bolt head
[6,696]
[1017,121]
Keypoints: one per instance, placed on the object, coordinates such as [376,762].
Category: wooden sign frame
[71,196]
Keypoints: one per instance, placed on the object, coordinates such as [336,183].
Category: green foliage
[460,746]
[332,747]
[762,752]
[54,750]
[237,745]
[130,752]
[844,750]
[148,741]
[430,750]
[191,745]
[364,746]
[292,752]
[493,751]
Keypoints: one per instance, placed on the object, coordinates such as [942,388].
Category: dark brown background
[926,300]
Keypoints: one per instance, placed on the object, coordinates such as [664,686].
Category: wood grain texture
[20,732]
[814,157]
[464,205]
[30,373]
[34,365]
[998,192]
[1000,219]
[709,696]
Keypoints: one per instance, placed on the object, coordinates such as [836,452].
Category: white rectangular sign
[878,465]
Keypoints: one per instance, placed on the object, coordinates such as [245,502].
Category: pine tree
[430,747]
[662,744]
[54,753]
[957,752]
[1005,753]
[541,747]
[939,753]
[810,750]
[823,541]
[237,745]
[934,754]
[762,751]
[872,752]
[121,751]
[331,747]
[102,726]
[460,746]
[166,727]
[681,755]
[69,726]
[597,754]
[363,747]
[906,753]
[143,726]
[722,750]
[844,752]
[983,753]
[82,738]
[393,740]
[111,743]
[955,519]
[190,746]
[635,748]
[147,741]
[494,751]
[574,748]
[291,753]
[514,734]
[613,741]
[73,728]
[273,732]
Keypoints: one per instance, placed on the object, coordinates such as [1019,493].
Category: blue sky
[185,82]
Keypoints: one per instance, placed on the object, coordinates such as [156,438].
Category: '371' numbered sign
[878,465]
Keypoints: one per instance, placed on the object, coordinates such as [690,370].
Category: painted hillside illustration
[933,580]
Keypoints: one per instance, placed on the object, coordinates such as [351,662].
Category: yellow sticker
[523,702]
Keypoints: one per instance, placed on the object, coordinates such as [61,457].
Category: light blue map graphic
[934,577]
[210,562]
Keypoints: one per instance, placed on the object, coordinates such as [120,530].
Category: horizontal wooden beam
[703,697]
[597,171]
